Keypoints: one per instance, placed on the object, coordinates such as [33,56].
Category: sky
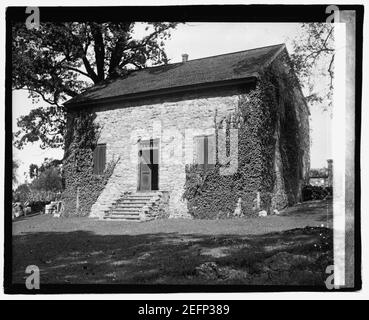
[200,40]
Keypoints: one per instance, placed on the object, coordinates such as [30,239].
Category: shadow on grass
[172,258]
[322,208]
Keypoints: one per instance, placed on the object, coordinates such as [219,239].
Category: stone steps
[126,208]
[137,202]
[123,218]
[132,204]
[129,207]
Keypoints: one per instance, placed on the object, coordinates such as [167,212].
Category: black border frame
[198,13]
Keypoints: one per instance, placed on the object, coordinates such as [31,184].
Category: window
[204,151]
[99,158]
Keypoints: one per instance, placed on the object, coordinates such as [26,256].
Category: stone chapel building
[155,123]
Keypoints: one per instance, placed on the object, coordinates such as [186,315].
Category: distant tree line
[46,181]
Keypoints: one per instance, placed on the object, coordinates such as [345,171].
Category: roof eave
[161,92]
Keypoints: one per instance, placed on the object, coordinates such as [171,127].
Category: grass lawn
[293,248]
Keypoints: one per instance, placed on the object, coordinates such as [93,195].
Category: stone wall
[172,120]
[273,152]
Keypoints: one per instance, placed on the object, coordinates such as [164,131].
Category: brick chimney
[184,57]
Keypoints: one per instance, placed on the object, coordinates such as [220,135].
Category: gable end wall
[174,121]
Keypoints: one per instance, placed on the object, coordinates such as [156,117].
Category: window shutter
[103,158]
[211,151]
[96,160]
[206,154]
[199,150]
[99,159]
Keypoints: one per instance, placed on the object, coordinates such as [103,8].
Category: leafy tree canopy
[21,192]
[47,177]
[313,57]
[35,170]
[57,61]
[14,173]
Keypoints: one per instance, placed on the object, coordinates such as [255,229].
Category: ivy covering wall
[265,118]
[82,186]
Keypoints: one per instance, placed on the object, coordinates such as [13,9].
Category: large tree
[47,177]
[57,61]
[313,60]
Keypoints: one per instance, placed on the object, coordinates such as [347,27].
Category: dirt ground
[292,248]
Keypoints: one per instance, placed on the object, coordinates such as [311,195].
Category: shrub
[21,194]
[310,192]
[37,206]
[47,176]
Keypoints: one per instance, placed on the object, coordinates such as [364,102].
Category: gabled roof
[177,76]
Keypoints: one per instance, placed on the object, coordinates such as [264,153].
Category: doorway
[148,173]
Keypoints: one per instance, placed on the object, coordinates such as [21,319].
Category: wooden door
[145,170]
